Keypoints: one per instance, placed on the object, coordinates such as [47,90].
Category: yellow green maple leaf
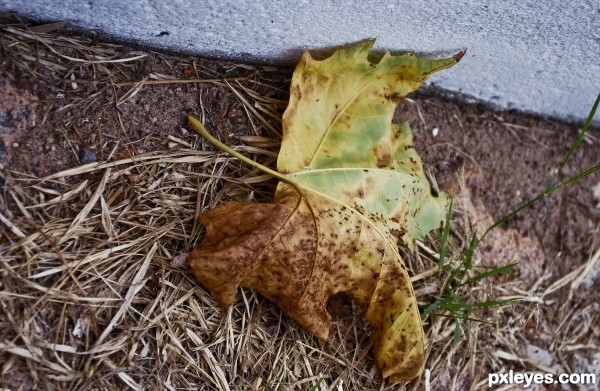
[351,186]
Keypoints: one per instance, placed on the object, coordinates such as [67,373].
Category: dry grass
[91,298]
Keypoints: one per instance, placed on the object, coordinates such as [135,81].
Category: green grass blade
[457,324]
[575,145]
[314,388]
[457,274]
[445,233]
[493,303]
[490,273]
[580,175]
[431,308]
[553,187]
[455,307]
[573,179]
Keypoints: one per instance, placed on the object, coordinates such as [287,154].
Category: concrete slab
[536,56]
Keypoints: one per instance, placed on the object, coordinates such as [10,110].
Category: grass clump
[454,300]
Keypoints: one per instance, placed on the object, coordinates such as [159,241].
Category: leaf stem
[199,128]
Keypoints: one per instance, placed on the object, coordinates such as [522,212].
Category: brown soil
[57,114]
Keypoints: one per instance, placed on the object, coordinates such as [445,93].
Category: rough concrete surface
[541,57]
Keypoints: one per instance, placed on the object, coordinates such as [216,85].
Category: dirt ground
[70,106]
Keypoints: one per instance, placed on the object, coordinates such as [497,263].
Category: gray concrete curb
[540,57]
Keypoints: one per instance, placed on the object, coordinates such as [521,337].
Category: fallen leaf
[352,185]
